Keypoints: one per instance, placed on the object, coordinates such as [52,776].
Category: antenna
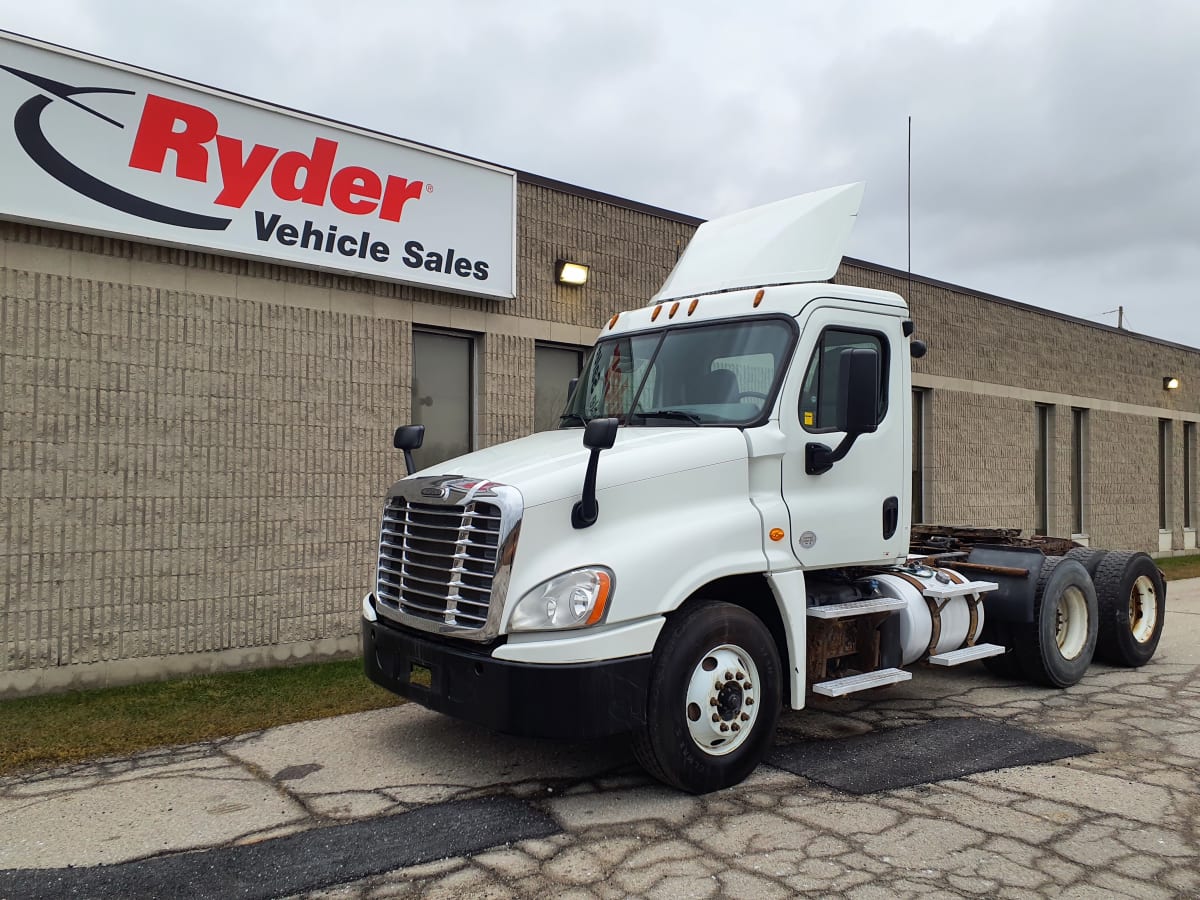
[1120,311]
[910,197]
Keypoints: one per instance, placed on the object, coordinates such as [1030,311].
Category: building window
[443,393]
[554,367]
[1189,476]
[920,400]
[1164,474]
[1079,469]
[1041,478]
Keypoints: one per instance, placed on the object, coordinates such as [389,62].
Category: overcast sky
[1056,145]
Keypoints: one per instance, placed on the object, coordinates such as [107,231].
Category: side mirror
[409,438]
[858,407]
[858,391]
[600,434]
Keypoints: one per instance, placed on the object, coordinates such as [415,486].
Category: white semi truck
[720,529]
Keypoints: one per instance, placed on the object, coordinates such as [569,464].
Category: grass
[1176,567]
[37,732]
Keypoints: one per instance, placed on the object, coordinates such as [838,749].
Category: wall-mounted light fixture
[570,273]
[1170,383]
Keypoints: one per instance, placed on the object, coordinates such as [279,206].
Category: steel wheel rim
[1071,622]
[722,700]
[1143,609]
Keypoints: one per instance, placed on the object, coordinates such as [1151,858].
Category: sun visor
[795,240]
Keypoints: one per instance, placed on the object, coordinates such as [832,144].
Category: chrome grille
[438,562]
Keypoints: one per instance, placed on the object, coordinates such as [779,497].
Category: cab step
[855,608]
[966,655]
[946,591]
[840,687]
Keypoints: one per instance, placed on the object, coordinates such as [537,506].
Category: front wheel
[714,699]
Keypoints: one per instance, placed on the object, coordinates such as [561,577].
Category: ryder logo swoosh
[27,125]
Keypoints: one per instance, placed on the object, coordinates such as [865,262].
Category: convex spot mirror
[858,391]
[600,434]
[409,437]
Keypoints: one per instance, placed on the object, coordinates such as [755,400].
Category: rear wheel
[1089,557]
[1058,647]
[1133,606]
[714,698]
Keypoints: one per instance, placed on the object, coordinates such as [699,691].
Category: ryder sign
[112,150]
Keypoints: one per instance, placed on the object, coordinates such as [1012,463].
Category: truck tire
[1089,557]
[1133,606]
[1058,647]
[714,698]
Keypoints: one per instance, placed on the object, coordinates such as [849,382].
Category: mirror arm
[818,458]
[586,510]
[408,461]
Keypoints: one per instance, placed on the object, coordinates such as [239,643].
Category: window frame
[776,385]
[885,361]
[475,360]
[581,352]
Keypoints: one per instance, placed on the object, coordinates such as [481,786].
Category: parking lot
[403,802]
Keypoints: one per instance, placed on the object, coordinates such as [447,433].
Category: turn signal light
[776,534]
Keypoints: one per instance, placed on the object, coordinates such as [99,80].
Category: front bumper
[575,701]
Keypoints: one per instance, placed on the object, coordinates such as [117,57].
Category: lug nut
[740,675]
[718,685]
[725,727]
[745,717]
[712,701]
[728,676]
[747,686]
[736,727]
[749,701]
[716,718]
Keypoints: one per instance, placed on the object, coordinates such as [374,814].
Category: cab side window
[819,394]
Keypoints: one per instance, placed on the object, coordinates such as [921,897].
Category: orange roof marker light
[674,309]
[654,315]
[758,297]
[613,320]
[776,534]
[692,306]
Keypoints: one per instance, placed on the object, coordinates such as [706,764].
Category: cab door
[857,512]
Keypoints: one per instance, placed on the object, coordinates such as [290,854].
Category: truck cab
[718,530]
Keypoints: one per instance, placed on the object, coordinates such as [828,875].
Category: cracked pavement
[1123,821]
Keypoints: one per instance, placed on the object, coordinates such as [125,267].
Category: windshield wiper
[669,414]
[566,418]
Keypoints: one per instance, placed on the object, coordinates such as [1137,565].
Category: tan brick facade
[195,447]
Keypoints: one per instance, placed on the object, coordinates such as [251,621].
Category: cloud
[1054,145]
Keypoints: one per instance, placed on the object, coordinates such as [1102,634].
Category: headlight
[570,600]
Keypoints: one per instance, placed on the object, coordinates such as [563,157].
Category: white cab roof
[795,240]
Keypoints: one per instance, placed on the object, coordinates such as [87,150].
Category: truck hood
[550,466]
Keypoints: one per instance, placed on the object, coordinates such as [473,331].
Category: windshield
[713,374]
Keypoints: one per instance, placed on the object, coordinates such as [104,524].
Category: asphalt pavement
[955,784]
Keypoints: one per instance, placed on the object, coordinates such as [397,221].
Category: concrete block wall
[996,360]
[193,448]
